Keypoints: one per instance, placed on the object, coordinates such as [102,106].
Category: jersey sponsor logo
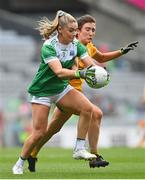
[72,53]
[66,54]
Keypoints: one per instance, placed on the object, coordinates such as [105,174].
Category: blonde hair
[47,27]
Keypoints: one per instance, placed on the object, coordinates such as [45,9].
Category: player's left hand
[129,47]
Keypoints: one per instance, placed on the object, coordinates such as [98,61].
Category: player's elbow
[100,57]
[59,73]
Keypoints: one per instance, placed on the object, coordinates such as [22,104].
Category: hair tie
[61,13]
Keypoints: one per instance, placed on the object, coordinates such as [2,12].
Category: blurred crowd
[15,121]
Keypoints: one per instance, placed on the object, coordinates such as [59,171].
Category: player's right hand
[129,47]
[84,73]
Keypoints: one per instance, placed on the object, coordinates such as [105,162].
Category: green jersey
[45,82]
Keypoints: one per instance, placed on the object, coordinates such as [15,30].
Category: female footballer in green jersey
[51,85]
[85,34]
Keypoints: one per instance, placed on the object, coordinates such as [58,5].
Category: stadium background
[118,23]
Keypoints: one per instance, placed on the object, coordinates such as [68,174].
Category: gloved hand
[129,47]
[84,73]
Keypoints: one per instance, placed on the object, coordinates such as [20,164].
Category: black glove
[129,47]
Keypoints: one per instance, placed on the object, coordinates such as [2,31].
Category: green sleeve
[81,50]
[48,53]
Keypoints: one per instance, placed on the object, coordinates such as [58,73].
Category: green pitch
[57,163]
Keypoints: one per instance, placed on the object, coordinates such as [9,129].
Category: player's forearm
[104,57]
[88,61]
[66,73]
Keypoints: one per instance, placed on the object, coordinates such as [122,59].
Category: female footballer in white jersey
[50,84]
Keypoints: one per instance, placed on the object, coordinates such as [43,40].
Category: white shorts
[49,99]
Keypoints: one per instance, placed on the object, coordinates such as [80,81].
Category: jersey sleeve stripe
[84,56]
[50,59]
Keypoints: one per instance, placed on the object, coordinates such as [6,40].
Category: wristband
[122,51]
[77,74]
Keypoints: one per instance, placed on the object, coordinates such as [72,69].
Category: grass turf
[57,163]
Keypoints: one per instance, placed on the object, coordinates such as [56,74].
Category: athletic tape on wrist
[77,74]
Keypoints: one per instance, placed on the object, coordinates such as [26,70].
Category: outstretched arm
[104,57]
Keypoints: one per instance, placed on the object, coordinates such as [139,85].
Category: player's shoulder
[51,41]
[78,43]
[91,44]
[75,41]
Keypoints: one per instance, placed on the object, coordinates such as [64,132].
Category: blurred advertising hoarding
[138,3]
